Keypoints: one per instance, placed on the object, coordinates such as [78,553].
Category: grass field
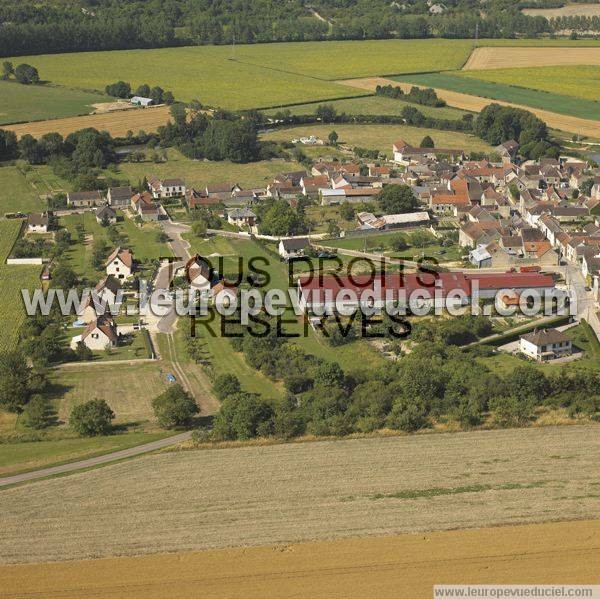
[471,83]
[581,82]
[40,102]
[267,494]
[386,567]
[199,173]
[527,55]
[16,194]
[376,105]
[382,137]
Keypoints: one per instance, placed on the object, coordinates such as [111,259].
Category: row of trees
[122,89]
[426,97]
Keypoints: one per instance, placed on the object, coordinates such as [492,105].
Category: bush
[175,407]
[92,418]
[225,385]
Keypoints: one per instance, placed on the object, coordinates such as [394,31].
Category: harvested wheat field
[554,120]
[401,566]
[193,500]
[569,10]
[501,58]
[116,122]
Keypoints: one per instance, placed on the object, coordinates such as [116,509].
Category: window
[95,335]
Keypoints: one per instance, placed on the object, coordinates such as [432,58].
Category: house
[106,215]
[508,150]
[100,334]
[222,192]
[293,248]
[448,203]
[404,153]
[197,199]
[241,217]
[141,101]
[545,344]
[85,199]
[37,223]
[480,257]
[199,273]
[166,188]
[119,197]
[107,290]
[145,207]
[120,264]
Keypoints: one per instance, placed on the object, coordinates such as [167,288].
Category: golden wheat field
[404,566]
[561,122]
[203,499]
[117,123]
[503,57]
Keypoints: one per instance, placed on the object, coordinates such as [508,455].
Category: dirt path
[477,104]
[397,566]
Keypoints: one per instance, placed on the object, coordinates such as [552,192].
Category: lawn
[141,240]
[381,137]
[19,457]
[581,82]
[40,102]
[375,105]
[16,194]
[468,82]
[199,173]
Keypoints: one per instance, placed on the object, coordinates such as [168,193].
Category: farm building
[293,248]
[85,199]
[37,223]
[119,196]
[141,101]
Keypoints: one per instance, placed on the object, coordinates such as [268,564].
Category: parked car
[171,378]
[327,255]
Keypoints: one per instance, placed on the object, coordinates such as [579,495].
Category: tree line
[426,97]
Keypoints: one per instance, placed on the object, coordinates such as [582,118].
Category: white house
[293,248]
[106,214]
[120,264]
[199,273]
[100,334]
[166,188]
[546,344]
[37,223]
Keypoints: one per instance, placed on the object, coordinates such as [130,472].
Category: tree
[395,199]
[7,70]
[347,211]
[199,228]
[333,138]
[92,418]
[27,74]
[399,243]
[225,385]
[326,113]
[14,377]
[143,90]
[421,238]
[330,374]
[175,407]
[120,89]
[243,416]
[427,142]
[37,413]
[82,352]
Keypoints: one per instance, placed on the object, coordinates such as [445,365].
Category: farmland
[472,83]
[381,137]
[394,566]
[569,10]
[41,102]
[575,81]
[266,494]
[498,56]
[117,123]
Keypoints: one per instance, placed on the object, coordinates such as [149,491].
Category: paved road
[97,461]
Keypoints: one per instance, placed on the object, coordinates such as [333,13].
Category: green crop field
[375,105]
[470,83]
[40,102]
[576,81]
[16,194]
[261,75]
[382,137]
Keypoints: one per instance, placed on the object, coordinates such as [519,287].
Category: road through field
[405,566]
[477,104]
[117,123]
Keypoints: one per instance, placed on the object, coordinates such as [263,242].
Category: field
[266,494]
[382,137]
[506,57]
[483,84]
[40,102]
[117,123]
[579,82]
[386,567]
[16,194]
[569,10]
[375,105]
[199,173]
